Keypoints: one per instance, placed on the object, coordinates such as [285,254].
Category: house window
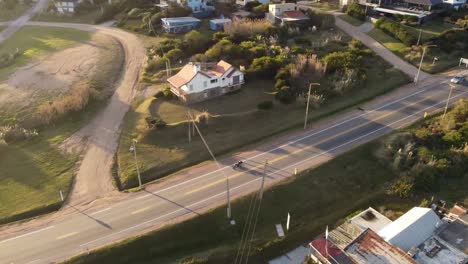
[224,79]
[214,81]
[204,84]
[190,87]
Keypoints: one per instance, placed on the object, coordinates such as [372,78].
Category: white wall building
[66,6]
[456,4]
[198,82]
[412,228]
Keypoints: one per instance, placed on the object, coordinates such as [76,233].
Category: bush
[265,67]
[155,65]
[160,94]
[196,42]
[285,95]
[342,59]
[12,134]
[174,55]
[302,41]
[250,5]
[356,11]
[168,94]
[225,50]
[265,105]
[396,30]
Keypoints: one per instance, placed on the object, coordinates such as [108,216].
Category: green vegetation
[11,9]
[356,11]
[365,176]
[445,46]
[34,42]
[351,20]
[396,30]
[326,5]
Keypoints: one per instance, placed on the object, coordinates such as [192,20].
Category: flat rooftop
[371,218]
[456,234]
[187,19]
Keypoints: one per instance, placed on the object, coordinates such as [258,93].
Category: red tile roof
[183,76]
[220,68]
[295,14]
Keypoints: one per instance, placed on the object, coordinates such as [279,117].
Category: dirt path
[94,179]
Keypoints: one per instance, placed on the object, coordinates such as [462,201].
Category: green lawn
[33,172]
[330,5]
[162,152]
[34,42]
[87,18]
[429,29]
[322,196]
[351,20]
[445,61]
[7,14]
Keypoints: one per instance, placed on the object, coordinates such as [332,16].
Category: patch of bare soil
[52,76]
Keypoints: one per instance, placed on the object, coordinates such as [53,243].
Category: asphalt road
[207,188]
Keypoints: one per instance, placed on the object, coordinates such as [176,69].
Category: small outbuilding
[218,23]
[179,24]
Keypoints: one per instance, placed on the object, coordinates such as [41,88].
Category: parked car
[458,79]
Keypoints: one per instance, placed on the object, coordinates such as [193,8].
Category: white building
[456,4]
[285,13]
[412,228]
[201,81]
[66,6]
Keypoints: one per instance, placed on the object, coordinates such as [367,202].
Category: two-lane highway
[205,189]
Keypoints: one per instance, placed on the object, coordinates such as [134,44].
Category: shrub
[196,42]
[260,10]
[160,94]
[219,36]
[168,94]
[155,65]
[265,105]
[11,134]
[224,49]
[285,95]
[356,11]
[340,60]
[396,30]
[265,67]
[174,55]
[249,27]
[302,41]
[250,5]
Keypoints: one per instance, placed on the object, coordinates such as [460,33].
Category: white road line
[100,211]
[27,234]
[142,196]
[299,139]
[295,164]
[34,261]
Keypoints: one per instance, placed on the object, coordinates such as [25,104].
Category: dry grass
[247,27]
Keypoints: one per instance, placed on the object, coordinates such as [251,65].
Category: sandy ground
[52,75]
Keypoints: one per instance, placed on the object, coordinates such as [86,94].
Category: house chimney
[196,67]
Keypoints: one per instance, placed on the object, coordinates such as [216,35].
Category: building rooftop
[330,251]
[188,72]
[412,228]
[371,218]
[221,20]
[437,251]
[178,19]
[424,2]
[370,248]
[456,234]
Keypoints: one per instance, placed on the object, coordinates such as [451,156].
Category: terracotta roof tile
[183,76]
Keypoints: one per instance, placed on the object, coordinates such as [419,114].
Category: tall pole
[448,99]
[136,161]
[189,130]
[308,101]
[260,196]
[419,37]
[420,64]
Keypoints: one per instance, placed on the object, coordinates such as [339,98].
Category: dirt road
[94,179]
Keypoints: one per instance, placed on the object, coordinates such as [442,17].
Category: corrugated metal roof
[425,2]
[411,229]
[370,248]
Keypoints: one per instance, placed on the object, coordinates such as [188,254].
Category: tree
[197,42]
[356,11]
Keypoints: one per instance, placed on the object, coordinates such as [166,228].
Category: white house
[285,13]
[456,4]
[66,6]
[201,81]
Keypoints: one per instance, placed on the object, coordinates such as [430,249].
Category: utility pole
[419,37]
[260,196]
[133,149]
[448,99]
[308,101]
[189,130]
[416,78]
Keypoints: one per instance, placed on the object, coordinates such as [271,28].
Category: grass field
[237,123]
[430,29]
[33,172]
[322,196]
[351,20]
[11,14]
[87,18]
[34,42]
[330,5]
